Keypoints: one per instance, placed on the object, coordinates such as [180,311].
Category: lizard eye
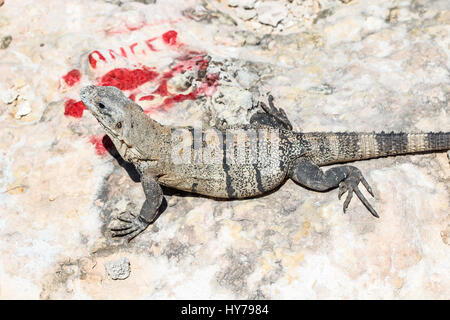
[119,125]
[101,105]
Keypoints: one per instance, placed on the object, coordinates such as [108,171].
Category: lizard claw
[125,217]
[128,228]
[350,185]
[278,113]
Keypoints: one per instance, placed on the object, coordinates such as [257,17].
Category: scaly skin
[209,162]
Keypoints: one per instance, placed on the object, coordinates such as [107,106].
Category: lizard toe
[129,229]
[350,185]
[120,224]
[125,218]
[121,233]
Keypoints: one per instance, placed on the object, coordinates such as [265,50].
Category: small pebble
[118,269]
[172,201]
[8,96]
[23,109]
[5,42]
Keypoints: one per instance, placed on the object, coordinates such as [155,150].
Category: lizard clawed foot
[350,185]
[277,113]
[128,227]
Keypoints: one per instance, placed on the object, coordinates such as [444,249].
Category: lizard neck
[146,138]
[142,140]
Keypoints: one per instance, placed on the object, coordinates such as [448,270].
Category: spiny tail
[329,148]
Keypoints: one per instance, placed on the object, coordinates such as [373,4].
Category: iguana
[278,153]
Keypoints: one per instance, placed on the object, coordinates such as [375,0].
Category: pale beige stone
[359,66]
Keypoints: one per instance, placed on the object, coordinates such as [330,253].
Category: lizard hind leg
[271,116]
[129,225]
[347,178]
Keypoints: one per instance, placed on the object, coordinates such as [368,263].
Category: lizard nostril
[101,106]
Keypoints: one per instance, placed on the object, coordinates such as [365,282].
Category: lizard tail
[329,148]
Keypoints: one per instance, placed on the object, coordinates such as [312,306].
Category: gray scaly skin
[149,146]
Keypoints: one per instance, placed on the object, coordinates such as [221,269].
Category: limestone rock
[245,14]
[230,104]
[331,65]
[24,108]
[246,4]
[118,269]
[8,96]
[271,12]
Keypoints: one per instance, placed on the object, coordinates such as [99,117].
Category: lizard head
[115,112]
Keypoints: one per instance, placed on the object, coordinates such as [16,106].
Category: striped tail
[329,148]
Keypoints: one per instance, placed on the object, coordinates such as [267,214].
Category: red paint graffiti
[72,77]
[132,79]
[147,98]
[132,97]
[209,84]
[114,54]
[102,144]
[208,88]
[188,62]
[92,60]
[74,108]
[162,89]
[149,45]
[168,102]
[126,79]
[170,37]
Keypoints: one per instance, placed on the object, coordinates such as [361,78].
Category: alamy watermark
[230,146]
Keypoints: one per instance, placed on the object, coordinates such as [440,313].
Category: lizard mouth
[121,146]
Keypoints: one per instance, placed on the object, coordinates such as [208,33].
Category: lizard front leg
[130,228]
[347,178]
[271,116]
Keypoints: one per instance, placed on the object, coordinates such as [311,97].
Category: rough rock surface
[118,269]
[333,65]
